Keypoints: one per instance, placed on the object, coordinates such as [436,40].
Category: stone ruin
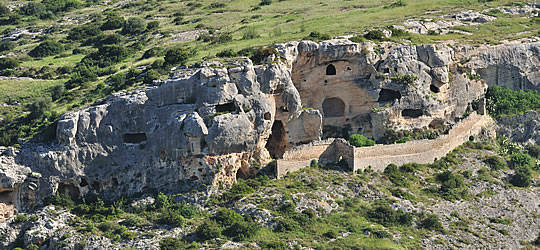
[207,128]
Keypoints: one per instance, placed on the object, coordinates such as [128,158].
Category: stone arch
[277,143]
[331,70]
[333,107]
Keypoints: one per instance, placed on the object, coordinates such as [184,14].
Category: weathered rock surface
[200,129]
[524,128]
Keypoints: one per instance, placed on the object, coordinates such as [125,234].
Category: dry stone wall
[379,156]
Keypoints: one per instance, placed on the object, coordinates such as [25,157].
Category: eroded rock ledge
[202,129]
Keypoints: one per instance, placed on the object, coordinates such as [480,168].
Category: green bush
[7,45]
[156,51]
[265,2]
[112,23]
[503,101]
[227,53]
[431,222]
[386,216]
[4,10]
[8,63]
[150,76]
[286,225]
[237,191]
[176,56]
[170,243]
[495,162]
[520,159]
[404,79]
[317,36]
[61,5]
[39,107]
[152,26]
[83,32]
[112,39]
[33,9]
[134,26]
[242,230]
[358,140]
[375,35]
[208,230]
[21,218]
[534,150]
[46,48]
[257,54]
[227,217]
[522,177]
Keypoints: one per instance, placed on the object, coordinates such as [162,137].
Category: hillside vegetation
[63,54]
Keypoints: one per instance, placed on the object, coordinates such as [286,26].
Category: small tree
[46,48]
[208,230]
[522,177]
[358,140]
[177,56]
[39,107]
[8,63]
[112,23]
[134,26]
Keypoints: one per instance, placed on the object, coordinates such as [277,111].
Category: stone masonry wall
[379,156]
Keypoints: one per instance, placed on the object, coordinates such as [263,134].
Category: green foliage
[156,51]
[402,136]
[265,2]
[519,159]
[46,48]
[61,5]
[258,54]
[534,150]
[33,9]
[242,230]
[503,101]
[250,33]
[178,55]
[7,45]
[375,35]
[152,26]
[208,230]
[495,162]
[431,222]
[227,217]
[84,32]
[317,36]
[39,107]
[522,177]
[405,79]
[358,140]
[8,63]
[170,243]
[227,53]
[452,186]
[402,176]
[134,26]
[237,191]
[383,214]
[21,218]
[4,10]
[113,22]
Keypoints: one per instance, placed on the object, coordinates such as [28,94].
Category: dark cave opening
[434,88]
[277,143]
[388,95]
[227,107]
[331,70]
[134,137]
[412,113]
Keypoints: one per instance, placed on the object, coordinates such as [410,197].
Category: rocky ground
[485,211]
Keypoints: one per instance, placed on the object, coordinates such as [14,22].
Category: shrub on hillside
[152,26]
[83,32]
[176,56]
[170,243]
[4,10]
[7,45]
[375,35]
[227,53]
[134,26]
[533,150]
[495,162]
[242,230]
[317,36]
[112,23]
[258,54]
[387,216]
[46,48]
[404,79]
[32,9]
[237,191]
[39,107]
[208,230]
[61,5]
[8,63]
[431,222]
[227,217]
[503,101]
[522,177]
[358,140]
[520,159]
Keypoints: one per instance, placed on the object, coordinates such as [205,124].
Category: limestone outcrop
[198,130]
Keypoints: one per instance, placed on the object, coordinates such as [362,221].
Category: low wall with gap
[379,156]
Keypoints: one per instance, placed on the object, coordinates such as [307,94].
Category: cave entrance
[331,70]
[227,107]
[277,143]
[412,113]
[134,138]
[7,197]
[333,107]
[70,190]
[388,95]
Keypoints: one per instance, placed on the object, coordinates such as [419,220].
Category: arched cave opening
[434,88]
[331,70]
[333,107]
[134,137]
[277,143]
[388,95]
[7,197]
[70,190]
[412,113]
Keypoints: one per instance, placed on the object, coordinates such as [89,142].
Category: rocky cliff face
[199,130]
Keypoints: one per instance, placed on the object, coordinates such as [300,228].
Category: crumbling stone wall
[379,156]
